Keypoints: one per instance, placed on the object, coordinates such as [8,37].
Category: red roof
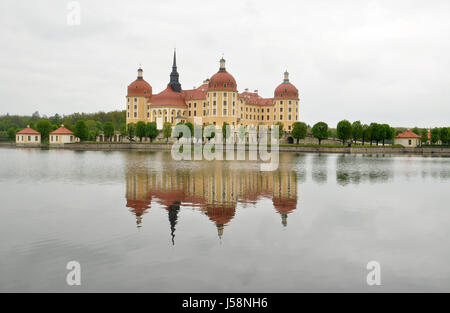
[286,91]
[168,97]
[61,131]
[28,131]
[255,99]
[407,134]
[139,88]
[222,80]
[196,94]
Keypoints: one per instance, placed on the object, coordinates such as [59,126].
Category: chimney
[256,91]
[246,89]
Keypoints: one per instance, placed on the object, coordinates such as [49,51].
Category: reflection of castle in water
[215,189]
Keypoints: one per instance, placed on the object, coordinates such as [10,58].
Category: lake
[139,221]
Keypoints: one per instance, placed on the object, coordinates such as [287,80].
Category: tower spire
[222,65]
[174,76]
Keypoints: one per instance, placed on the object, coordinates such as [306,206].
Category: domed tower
[138,96]
[286,102]
[222,98]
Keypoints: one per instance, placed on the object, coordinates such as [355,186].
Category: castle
[215,102]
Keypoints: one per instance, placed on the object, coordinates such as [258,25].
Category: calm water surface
[142,222]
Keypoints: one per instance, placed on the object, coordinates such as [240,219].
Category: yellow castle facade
[215,102]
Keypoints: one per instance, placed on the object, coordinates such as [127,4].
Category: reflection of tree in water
[355,169]
[319,168]
[173,218]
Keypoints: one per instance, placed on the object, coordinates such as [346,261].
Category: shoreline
[282,148]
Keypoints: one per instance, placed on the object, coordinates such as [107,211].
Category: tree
[108,130]
[366,134]
[416,130]
[211,135]
[376,133]
[11,133]
[320,131]
[191,127]
[140,130]
[44,127]
[443,135]
[357,131]
[130,131]
[424,136]
[225,125]
[81,130]
[167,131]
[299,130]
[387,133]
[123,129]
[344,130]
[434,135]
[152,131]
[280,129]
[93,134]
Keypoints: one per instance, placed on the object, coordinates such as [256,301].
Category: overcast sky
[382,61]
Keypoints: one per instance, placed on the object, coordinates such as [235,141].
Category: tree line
[374,132]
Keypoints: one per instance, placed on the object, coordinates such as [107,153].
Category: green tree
[167,131]
[225,125]
[140,130]
[416,130]
[424,136]
[434,135]
[45,128]
[443,135]
[11,133]
[280,129]
[130,131]
[123,129]
[376,133]
[366,134]
[387,133]
[93,134]
[191,127]
[357,131]
[108,130]
[299,130]
[152,131]
[344,130]
[81,130]
[320,131]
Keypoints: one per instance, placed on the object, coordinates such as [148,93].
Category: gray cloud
[368,60]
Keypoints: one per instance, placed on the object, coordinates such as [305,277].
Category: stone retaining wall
[351,150]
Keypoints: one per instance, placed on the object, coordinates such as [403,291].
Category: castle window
[195,113]
[290,102]
[189,113]
[214,102]
[224,102]
[204,112]
[35,138]
[128,99]
[281,102]
[148,114]
[225,85]
[262,117]
[281,109]
[189,105]
[268,117]
[224,111]
[289,117]
[135,99]
[195,104]
[135,107]
[214,111]
[225,94]
[128,114]
[214,94]
[135,114]
[290,109]
[281,117]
